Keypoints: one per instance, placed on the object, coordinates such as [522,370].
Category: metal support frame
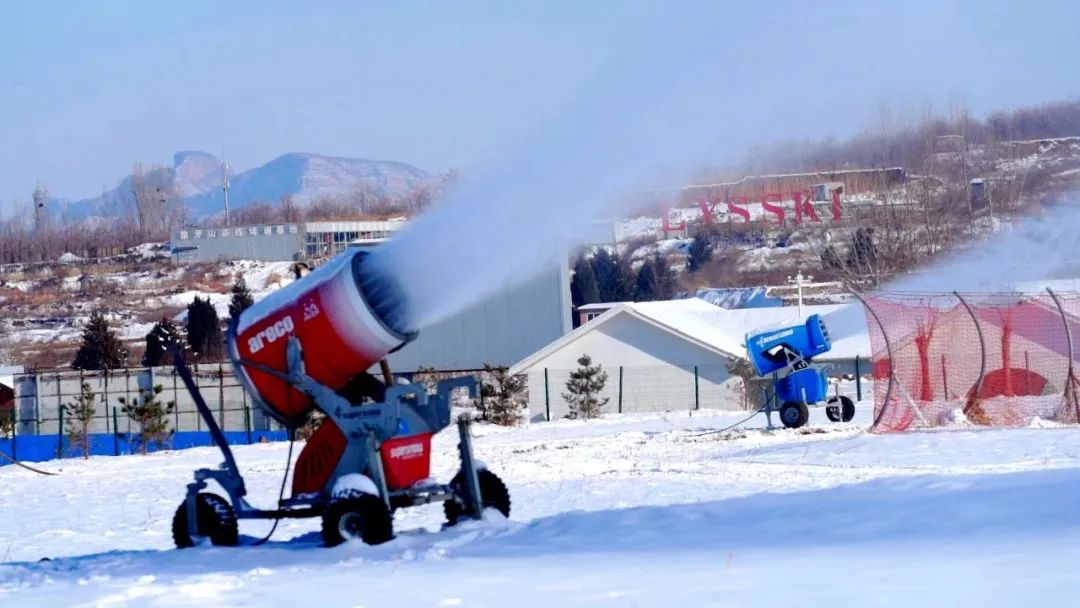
[974,398]
[1070,393]
[888,353]
[366,427]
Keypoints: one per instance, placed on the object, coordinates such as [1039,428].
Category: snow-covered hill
[625,511]
[198,178]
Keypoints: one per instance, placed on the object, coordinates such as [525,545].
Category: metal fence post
[620,388]
[858,378]
[247,423]
[221,395]
[697,391]
[116,435]
[105,402]
[15,433]
[37,403]
[547,397]
[60,432]
[59,403]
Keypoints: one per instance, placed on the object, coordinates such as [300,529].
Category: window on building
[198,234]
[239,232]
[184,235]
[253,231]
[279,230]
[589,316]
[267,230]
[292,229]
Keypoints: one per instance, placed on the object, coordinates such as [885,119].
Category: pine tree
[583,388]
[645,287]
[204,330]
[502,396]
[241,298]
[614,278]
[164,334]
[666,281]
[151,416]
[699,253]
[78,415]
[583,288]
[101,348]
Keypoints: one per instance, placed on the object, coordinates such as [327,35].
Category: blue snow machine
[787,353]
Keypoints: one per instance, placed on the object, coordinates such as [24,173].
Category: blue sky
[87,88]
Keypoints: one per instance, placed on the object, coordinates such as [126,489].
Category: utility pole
[41,195]
[799,282]
[225,189]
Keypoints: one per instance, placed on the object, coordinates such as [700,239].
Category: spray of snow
[637,123]
[1038,248]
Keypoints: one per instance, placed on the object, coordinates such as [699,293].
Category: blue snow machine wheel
[492,490]
[357,516]
[794,414]
[840,409]
[216,521]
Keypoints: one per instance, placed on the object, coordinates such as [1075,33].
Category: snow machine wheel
[840,413]
[216,521]
[492,490]
[794,414]
[357,516]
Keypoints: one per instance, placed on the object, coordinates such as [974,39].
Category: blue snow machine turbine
[787,354]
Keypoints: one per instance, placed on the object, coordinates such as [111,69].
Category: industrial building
[277,242]
[675,354]
[517,319]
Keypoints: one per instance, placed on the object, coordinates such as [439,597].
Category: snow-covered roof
[601,305]
[722,330]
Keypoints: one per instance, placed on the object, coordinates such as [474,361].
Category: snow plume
[1042,247]
[640,122]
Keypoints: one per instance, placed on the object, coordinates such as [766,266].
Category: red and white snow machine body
[309,346]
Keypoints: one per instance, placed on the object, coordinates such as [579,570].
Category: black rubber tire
[492,490]
[794,414]
[357,516]
[840,413]
[216,521]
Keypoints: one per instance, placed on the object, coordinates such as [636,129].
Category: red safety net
[970,360]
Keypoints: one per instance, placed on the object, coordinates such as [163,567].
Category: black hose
[281,493]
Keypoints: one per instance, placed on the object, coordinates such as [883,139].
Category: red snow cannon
[345,317]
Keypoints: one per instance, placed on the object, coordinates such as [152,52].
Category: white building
[675,355]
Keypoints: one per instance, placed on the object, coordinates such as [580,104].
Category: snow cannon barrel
[346,317]
[773,349]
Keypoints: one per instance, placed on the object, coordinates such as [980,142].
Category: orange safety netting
[969,360]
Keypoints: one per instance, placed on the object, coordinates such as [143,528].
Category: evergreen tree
[502,396]
[583,389]
[583,288]
[204,330]
[699,253]
[241,298]
[666,281]
[151,416]
[78,415]
[645,286]
[164,334]
[101,348]
[614,279]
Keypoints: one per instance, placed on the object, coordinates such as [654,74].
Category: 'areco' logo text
[270,334]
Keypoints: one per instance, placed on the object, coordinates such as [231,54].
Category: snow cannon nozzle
[384,295]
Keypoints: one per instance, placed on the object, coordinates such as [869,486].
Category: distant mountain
[198,176]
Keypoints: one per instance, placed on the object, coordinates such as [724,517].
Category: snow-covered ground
[641,510]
